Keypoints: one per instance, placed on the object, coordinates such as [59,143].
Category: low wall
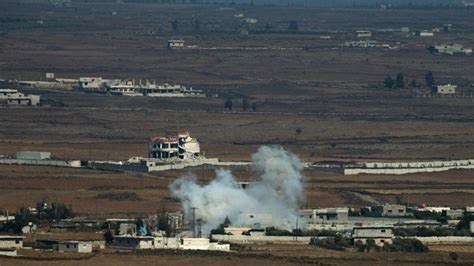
[108,166]
[176,166]
[445,239]
[402,171]
[242,239]
[75,163]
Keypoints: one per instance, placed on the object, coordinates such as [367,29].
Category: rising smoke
[277,189]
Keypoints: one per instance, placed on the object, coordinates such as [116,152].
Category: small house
[75,246]
[11,241]
[446,89]
[175,43]
[380,235]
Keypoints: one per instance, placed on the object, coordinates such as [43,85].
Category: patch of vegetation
[124,196]
[425,231]
[398,245]
[337,242]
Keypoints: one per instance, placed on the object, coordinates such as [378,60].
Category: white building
[176,43]
[250,20]
[451,49]
[361,44]
[326,215]
[15,98]
[363,34]
[11,241]
[446,89]
[151,242]
[179,147]
[380,235]
[11,252]
[424,33]
[96,84]
[75,246]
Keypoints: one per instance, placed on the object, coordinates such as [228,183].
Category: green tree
[413,84]
[254,106]
[400,81]
[228,104]
[429,78]
[108,236]
[388,82]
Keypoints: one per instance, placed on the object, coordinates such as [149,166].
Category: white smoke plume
[277,189]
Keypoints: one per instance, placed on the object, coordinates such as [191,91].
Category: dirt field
[297,80]
[261,255]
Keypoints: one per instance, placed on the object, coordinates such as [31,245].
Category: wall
[445,239]
[262,239]
[42,162]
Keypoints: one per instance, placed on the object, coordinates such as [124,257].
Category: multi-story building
[180,146]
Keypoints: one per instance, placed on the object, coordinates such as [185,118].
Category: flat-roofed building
[380,235]
[75,246]
[175,43]
[11,241]
[389,210]
[446,89]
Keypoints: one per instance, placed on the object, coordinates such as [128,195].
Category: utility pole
[194,221]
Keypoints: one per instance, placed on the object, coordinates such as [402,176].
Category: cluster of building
[450,49]
[120,87]
[365,44]
[132,88]
[374,222]
[12,97]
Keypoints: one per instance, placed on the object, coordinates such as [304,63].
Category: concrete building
[11,241]
[175,44]
[471,226]
[135,242]
[380,235]
[151,242]
[424,33]
[470,209]
[6,93]
[389,210]
[202,244]
[75,246]
[451,49]
[11,252]
[180,146]
[453,213]
[363,34]
[250,20]
[446,89]
[96,84]
[13,97]
[128,228]
[331,215]
[361,44]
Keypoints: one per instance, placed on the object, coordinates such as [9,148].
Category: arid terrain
[314,97]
